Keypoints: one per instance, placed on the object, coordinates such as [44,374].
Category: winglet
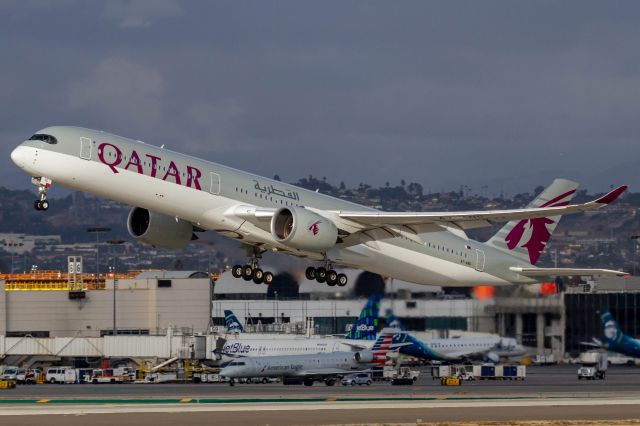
[611,196]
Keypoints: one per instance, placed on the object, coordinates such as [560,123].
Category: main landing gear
[43,184]
[251,271]
[326,274]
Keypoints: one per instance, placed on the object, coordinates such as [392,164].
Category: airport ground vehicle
[480,372]
[12,373]
[356,379]
[594,365]
[31,376]
[61,375]
[401,375]
[7,383]
[451,381]
[110,375]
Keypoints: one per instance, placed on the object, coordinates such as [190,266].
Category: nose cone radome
[20,156]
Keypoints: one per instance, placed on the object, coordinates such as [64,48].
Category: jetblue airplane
[175,196]
[614,338]
[361,336]
[491,348]
[310,368]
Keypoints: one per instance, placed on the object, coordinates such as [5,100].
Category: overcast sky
[508,94]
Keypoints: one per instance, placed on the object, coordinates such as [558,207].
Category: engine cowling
[302,229]
[158,230]
[363,356]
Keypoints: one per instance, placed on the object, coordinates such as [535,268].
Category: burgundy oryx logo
[314,228]
[540,234]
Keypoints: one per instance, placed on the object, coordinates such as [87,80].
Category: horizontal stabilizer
[565,272]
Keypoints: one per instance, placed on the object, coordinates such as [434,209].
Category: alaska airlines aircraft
[312,367]
[233,323]
[175,195]
[491,348]
[615,339]
[361,336]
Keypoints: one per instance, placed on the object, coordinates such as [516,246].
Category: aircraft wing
[563,272]
[420,222]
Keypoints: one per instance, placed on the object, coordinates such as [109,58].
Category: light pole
[98,230]
[114,243]
[635,237]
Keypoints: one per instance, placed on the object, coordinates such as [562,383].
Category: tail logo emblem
[540,234]
[314,228]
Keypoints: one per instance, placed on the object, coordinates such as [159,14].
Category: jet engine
[302,229]
[363,356]
[159,230]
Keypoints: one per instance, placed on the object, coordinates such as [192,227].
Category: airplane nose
[19,156]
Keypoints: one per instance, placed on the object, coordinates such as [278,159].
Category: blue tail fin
[393,321]
[613,335]
[233,325]
[366,327]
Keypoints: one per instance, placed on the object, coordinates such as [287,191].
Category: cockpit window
[44,138]
[237,363]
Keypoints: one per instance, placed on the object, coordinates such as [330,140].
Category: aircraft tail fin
[382,346]
[393,321]
[366,326]
[233,325]
[527,238]
[612,332]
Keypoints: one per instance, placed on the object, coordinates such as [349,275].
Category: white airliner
[310,368]
[176,195]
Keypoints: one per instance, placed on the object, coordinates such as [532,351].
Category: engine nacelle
[363,356]
[158,230]
[302,229]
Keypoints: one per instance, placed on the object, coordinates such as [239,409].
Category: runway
[549,393]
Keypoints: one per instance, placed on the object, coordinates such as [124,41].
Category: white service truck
[593,365]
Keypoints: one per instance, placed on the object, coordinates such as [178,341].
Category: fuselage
[459,348]
[208,195]
[292,365]
[247,346]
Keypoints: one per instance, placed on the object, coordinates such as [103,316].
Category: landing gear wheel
[310,273]
[236,271]
[36,205]
[321,274]
[258,276]
[247,272]
[44,205]
[342,280]
[268,278]
[332,277]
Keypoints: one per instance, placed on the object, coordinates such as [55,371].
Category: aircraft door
[479,260]
[215,183]
[85,148]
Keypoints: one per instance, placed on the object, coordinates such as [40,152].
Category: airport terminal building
[173,312]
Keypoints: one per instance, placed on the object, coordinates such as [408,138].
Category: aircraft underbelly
[413,266]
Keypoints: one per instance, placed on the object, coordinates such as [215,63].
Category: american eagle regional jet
[175,196]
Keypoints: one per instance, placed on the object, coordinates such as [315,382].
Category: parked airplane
[615,339]
[311,368]
[176,195]
[361,336]
[233,324]
[491,348]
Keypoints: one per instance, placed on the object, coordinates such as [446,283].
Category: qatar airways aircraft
[175,195]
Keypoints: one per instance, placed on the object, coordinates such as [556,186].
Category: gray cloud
[443,93]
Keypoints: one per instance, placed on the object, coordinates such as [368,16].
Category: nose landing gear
[43,184]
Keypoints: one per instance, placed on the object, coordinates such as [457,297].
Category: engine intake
[302,229]
[159,230]
[363,356]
